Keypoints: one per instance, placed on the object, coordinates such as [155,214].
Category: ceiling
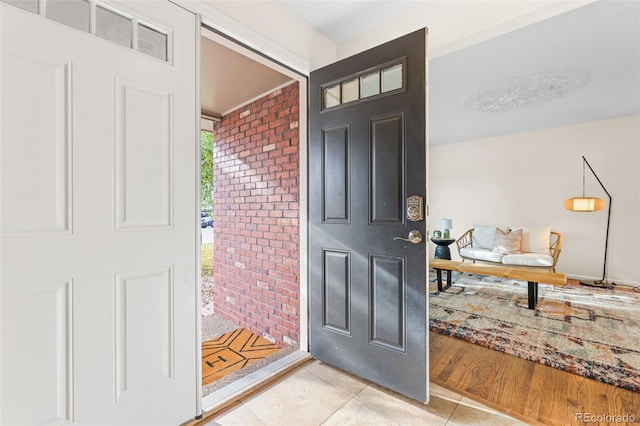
[340,20]
[600,38]
[230,80]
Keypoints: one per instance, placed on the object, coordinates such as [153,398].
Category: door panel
[98,280]
[47,174]
[387,300]
[387,170]
[335,172]
[367,148]
[47,314]
[143,343]
[143,141]
[336,291]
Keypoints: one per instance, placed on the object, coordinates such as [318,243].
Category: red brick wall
[256,221]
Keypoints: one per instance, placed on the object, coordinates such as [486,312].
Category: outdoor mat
[232,351]
[583,330]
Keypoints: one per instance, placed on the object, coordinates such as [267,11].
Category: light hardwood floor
[532,392]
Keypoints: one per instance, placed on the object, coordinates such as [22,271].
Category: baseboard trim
[611,280]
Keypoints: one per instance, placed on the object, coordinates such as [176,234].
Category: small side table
[442,249]
[443,252]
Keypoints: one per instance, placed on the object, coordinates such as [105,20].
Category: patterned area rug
[232,351]
[587,331]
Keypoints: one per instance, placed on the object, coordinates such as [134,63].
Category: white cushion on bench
[535,239]
[528,259]
[481,254]
[483,237]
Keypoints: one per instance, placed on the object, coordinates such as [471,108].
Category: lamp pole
[603,282]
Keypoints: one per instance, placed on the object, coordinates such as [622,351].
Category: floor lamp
[591,204]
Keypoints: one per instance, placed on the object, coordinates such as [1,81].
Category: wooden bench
[532,277]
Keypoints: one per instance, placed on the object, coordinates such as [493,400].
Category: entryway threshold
[228,395]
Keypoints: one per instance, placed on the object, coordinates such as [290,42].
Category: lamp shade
[584,204]
[446,223]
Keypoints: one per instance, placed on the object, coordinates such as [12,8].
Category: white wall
[523,179]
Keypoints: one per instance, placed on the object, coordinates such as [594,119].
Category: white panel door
[98,215]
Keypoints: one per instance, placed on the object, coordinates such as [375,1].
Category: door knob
[414,237]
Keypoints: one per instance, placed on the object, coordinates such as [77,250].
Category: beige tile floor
[317,394]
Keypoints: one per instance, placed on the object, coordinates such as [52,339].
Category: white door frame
[302,133]
[236,38]
[302,129]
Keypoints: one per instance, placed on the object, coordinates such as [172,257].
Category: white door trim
[215,19]
[289,64]
[228,393]
[196,223]
[302,133]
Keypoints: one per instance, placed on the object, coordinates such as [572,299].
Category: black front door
[367,147]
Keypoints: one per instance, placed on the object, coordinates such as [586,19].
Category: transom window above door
[106,22]
[383,80]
